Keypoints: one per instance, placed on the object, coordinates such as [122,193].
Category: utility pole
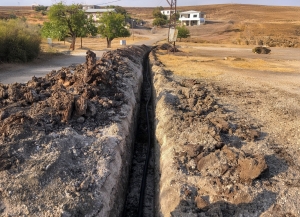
[172,21]
[132,22]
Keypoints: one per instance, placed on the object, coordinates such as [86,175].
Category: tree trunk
[108,42]
[81,42]
[72,46]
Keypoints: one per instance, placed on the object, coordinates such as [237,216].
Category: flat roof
[100,10]
[189,12]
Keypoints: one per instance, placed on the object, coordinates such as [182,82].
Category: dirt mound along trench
[66,138]
[202,169]
[261,50]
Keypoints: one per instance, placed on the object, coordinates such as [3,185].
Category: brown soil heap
[261,50]
[62,137]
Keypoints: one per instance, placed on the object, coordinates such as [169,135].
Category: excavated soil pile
[66,138]
[202,167]
[168,47]
[261,50]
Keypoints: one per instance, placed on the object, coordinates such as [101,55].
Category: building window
[189,15]
[195,15]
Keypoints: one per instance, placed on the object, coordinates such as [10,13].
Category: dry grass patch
[258,64]
[88,44]
[183,64]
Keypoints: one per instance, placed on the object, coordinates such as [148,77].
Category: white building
[96,13]
[191,18]
[168,13]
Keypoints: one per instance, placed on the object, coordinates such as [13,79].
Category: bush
[40,8]
[159,22]
[183,32]
[19,42]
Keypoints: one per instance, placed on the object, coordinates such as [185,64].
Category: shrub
[159,22]
[40,8]
[183,32]
[19,42]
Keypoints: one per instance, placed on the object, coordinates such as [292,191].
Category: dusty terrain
[227,137]
[242,24]
[227,131]
[66,138]
[274,26]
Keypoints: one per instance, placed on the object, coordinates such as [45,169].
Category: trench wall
[200,171]
[68,137]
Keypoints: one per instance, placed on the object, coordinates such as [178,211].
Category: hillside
[226,23]
[242,24]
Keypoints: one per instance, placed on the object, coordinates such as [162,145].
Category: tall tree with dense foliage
[183,32]
[69,18]
[159,18]
[112,25]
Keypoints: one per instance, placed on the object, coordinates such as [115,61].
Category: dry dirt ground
[228,131]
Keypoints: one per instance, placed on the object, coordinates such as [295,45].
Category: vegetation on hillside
[19,41]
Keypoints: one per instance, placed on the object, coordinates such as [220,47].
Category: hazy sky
[149,3]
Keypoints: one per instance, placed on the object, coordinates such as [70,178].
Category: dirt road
[10,73]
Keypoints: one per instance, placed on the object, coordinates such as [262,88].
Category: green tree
[159,18]
[118,9]
[112,25]
[52,30]
[88,29]
[159,22]
[69,18]
[157,13]
[183,32]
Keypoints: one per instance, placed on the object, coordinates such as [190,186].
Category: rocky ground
[66,138]
[226,146]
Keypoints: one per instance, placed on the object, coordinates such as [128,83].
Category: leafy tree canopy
[159,22]
[66,19]
[119,9]
[183,32]
[157,13]
[112,25]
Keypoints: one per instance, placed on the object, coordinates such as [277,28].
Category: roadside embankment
[66,139]
[202,169]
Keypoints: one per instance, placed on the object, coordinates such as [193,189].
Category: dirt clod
[261,50]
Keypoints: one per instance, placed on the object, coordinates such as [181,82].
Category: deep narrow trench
[140,194]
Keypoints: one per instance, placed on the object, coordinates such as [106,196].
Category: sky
[148,3]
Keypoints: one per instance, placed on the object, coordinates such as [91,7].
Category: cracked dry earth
[229,146]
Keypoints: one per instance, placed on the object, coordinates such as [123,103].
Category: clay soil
[230,118]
